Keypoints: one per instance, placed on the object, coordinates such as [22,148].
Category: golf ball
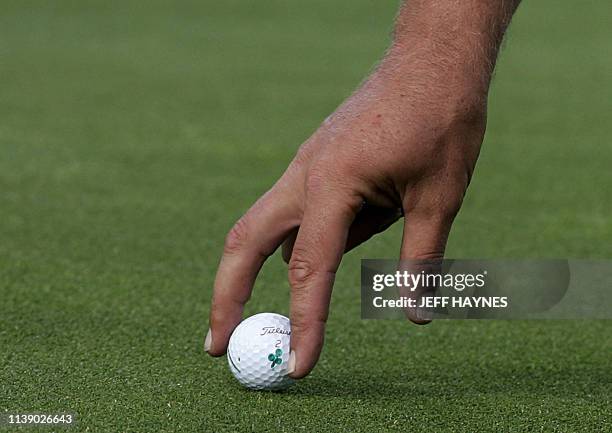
[258,352]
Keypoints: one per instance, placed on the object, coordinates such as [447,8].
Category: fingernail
[423,314]
[291,363]
[208,341]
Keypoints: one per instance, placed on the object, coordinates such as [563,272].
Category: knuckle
[300,270]
[236,237]
[304,271]
[316,180]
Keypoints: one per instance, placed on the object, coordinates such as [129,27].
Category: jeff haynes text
[442,301]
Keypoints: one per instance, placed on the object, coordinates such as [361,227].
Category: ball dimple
[258,352]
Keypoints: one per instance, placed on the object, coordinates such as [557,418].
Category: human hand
[405,144]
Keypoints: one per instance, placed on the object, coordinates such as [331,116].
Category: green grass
[133,136]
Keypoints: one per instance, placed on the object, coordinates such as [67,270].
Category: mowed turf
[133,135]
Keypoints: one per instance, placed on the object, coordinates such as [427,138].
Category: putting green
[132,137]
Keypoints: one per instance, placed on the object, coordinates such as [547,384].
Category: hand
[399,150]
[405,144]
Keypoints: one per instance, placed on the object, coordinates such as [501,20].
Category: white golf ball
[258,352]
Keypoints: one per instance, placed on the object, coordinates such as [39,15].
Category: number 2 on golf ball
[258,352]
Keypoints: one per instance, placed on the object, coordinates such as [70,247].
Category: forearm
[448,45]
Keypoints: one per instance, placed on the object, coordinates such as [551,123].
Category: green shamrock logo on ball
[275,358]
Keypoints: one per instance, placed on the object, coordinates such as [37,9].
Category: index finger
[248,244]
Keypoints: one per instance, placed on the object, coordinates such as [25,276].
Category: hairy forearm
[434,76]
[445,50]
[449,44]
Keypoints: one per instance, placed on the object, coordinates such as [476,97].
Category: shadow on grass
[465,380]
